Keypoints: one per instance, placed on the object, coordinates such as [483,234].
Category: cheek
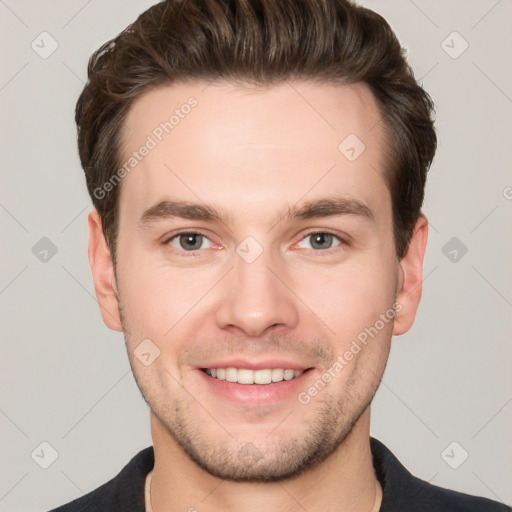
[351,297]
[157,298]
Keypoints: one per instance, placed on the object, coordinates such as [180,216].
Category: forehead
[246,147]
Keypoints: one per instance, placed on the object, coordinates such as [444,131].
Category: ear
[103,273]
[411,278]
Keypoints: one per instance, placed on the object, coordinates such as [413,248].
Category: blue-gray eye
[190,241]
[320,241]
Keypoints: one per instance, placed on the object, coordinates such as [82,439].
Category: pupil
[190,241]
[322,241]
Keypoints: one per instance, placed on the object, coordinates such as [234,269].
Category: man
[257,170]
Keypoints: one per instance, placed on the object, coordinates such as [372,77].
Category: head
[257,171]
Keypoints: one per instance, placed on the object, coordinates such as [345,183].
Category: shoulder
[123,492]
[402,491]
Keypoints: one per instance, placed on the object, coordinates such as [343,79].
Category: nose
[256,298]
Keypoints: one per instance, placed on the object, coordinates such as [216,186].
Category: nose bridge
[255,298]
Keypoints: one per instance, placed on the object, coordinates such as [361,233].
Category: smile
[247,376]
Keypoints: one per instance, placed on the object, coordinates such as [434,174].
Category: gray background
[65,377]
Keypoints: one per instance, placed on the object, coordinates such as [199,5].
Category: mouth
[248,376]
[255,384]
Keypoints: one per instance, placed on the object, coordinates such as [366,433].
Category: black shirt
[402,492]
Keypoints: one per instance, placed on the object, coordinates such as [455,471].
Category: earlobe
[411,277]
[103,273]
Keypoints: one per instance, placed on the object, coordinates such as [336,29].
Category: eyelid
[342,237]
[189,231]
[186,231]
[330,231]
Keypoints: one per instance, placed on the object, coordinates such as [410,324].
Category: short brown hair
[263,42]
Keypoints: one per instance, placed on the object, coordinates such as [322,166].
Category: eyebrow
[180,209]
[320,208]
[328,207]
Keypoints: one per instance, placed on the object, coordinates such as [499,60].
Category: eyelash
[192,254]
[196,253]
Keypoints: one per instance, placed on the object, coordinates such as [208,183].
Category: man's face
[299,263]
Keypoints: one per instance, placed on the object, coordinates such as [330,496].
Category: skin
[252,153]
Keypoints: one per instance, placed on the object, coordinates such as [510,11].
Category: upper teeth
[244,376]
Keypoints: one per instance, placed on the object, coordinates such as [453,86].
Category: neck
[345,481]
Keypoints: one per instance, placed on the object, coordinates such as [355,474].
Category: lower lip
[256,393]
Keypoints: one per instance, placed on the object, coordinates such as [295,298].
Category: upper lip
[255,365]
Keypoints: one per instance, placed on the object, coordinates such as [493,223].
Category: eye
[189,242]
[319,241]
